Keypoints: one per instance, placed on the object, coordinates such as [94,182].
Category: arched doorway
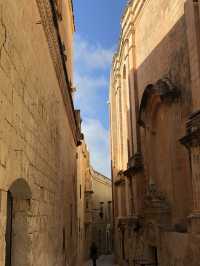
[18,242]
[158,109]
[9,229]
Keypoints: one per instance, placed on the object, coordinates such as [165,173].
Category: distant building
[154,111]
[94,200]
[84,202]
[102,212]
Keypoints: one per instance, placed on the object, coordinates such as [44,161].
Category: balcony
[133,222]
[135,164]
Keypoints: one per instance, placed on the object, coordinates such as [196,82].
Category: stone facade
[102,212]
[94,199]
[84,199]
[39,135]
[154,96]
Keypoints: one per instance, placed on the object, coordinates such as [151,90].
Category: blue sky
[97,33]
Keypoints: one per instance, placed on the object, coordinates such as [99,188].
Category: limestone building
[154,121]
[101,212]
[39,134]
[94,199]
[84,201]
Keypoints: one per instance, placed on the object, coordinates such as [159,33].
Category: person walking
[93,253]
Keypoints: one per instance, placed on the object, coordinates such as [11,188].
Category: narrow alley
[100,133]
[103,261]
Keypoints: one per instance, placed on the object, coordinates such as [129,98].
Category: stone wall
[162,43]
[185,254]
[162,52]
[38,150]
[102,212]
[158,220]
[84,194]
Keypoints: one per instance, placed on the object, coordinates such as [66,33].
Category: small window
[64,239]
[71,220]
[124,72]
[80,192]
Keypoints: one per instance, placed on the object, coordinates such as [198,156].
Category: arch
[18,240]
[154,94]
[20,189]
[159,108]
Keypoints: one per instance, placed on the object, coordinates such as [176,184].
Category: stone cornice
[49,22]
[131,14]
[191,139]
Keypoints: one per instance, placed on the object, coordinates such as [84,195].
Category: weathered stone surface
[37,143]
[94,201]
[154,87]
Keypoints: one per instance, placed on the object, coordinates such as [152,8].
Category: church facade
[154,125]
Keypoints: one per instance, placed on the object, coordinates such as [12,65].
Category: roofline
[101,175]
[134,7]
[73,17]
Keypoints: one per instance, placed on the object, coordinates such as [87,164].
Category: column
[133,95]
[193,37]
[119,127]
[125,107]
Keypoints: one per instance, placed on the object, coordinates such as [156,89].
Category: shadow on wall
[18,239]
[169,60]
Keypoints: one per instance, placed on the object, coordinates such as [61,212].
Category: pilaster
[192,138]
[192,142]
[135,174]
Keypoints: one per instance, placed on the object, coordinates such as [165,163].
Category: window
[79,225]
[64,239]
[9,229]
[71,219]
[124,72]
[80,191]
[101,213]
[86,230]
[109,210]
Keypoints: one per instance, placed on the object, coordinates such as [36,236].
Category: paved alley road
[103,261]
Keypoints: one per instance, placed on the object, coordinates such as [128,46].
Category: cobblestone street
[103,261]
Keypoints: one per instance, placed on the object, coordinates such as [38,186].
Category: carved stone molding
[120,179]
[129,222]
[164,90]
[135,164]
[192,137]
[156,203]
[49,22]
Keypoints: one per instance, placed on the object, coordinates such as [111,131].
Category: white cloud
[88,93]
[92,56]
[92,63]
[89,83]
[97,138]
